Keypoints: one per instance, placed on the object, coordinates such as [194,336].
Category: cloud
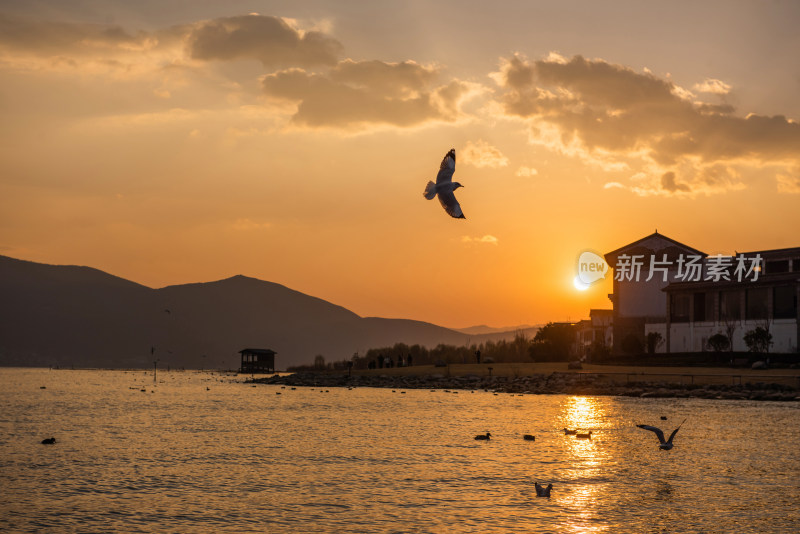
[356,93]
[123,71]
[59,38]
[789,183]
[527,171]
[668,183]
[610,115]
[488,239]
[271,40]
[482,154]
[613,185]
[710,85]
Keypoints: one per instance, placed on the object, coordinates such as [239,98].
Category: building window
[756,303]
[776,266]
[699,307]
[679,308]
[729,305]
[703,303]
[784,302]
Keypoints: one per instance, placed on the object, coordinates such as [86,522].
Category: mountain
[485,329]
[80,316]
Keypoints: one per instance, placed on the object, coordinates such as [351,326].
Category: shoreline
[705,383]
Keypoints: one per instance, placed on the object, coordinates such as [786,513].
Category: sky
[171,142]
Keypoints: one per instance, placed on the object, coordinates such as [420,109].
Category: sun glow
[579,285]
[588,462]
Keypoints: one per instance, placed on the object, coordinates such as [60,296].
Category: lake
[205,452]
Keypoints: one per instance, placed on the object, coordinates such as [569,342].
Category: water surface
[202,452]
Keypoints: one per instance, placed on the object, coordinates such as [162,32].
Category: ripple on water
[241,459]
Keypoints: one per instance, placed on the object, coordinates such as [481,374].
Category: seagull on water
[664,445]
[542,491]
[445,186]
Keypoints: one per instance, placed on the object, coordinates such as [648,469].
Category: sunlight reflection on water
[199,452]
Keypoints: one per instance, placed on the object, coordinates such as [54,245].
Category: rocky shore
[554,383]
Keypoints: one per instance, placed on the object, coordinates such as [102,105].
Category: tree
[319,361]
[718,342]
[654,340]
[758,339]
[553,341]
[730,328]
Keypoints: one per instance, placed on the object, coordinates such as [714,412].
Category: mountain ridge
[62,315]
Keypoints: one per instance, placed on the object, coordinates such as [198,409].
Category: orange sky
[173,142]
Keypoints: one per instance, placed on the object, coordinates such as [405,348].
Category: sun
[579,284]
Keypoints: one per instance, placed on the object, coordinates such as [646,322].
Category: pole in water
[155,362]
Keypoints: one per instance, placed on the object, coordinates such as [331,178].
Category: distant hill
[80,316]
[485,329]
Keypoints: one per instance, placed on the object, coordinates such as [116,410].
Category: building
[257,361]
[594,334]
[680,296]
[698,310]
[638,297]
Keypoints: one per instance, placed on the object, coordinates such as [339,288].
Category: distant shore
[556,378]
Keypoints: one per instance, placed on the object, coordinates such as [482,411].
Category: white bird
[664,445]
[445,186]
[542,491]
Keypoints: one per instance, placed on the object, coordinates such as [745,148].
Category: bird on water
[483,436]
[48,441]
[664,445]
[529,437]
[542,491]
[445,186]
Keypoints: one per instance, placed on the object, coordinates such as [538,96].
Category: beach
[557,378]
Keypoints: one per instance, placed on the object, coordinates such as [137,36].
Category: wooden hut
[257,361]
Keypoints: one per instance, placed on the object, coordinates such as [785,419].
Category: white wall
[691,337]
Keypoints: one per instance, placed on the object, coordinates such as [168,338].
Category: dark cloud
[401,94]
[54,38]
[668,183]
[268,39]
[612,109]
[399,79]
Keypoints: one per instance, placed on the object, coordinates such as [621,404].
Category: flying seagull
[665,445]
[445,186]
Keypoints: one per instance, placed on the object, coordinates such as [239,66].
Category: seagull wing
[658,431]
[447,168]
[675,431]
[450,204]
